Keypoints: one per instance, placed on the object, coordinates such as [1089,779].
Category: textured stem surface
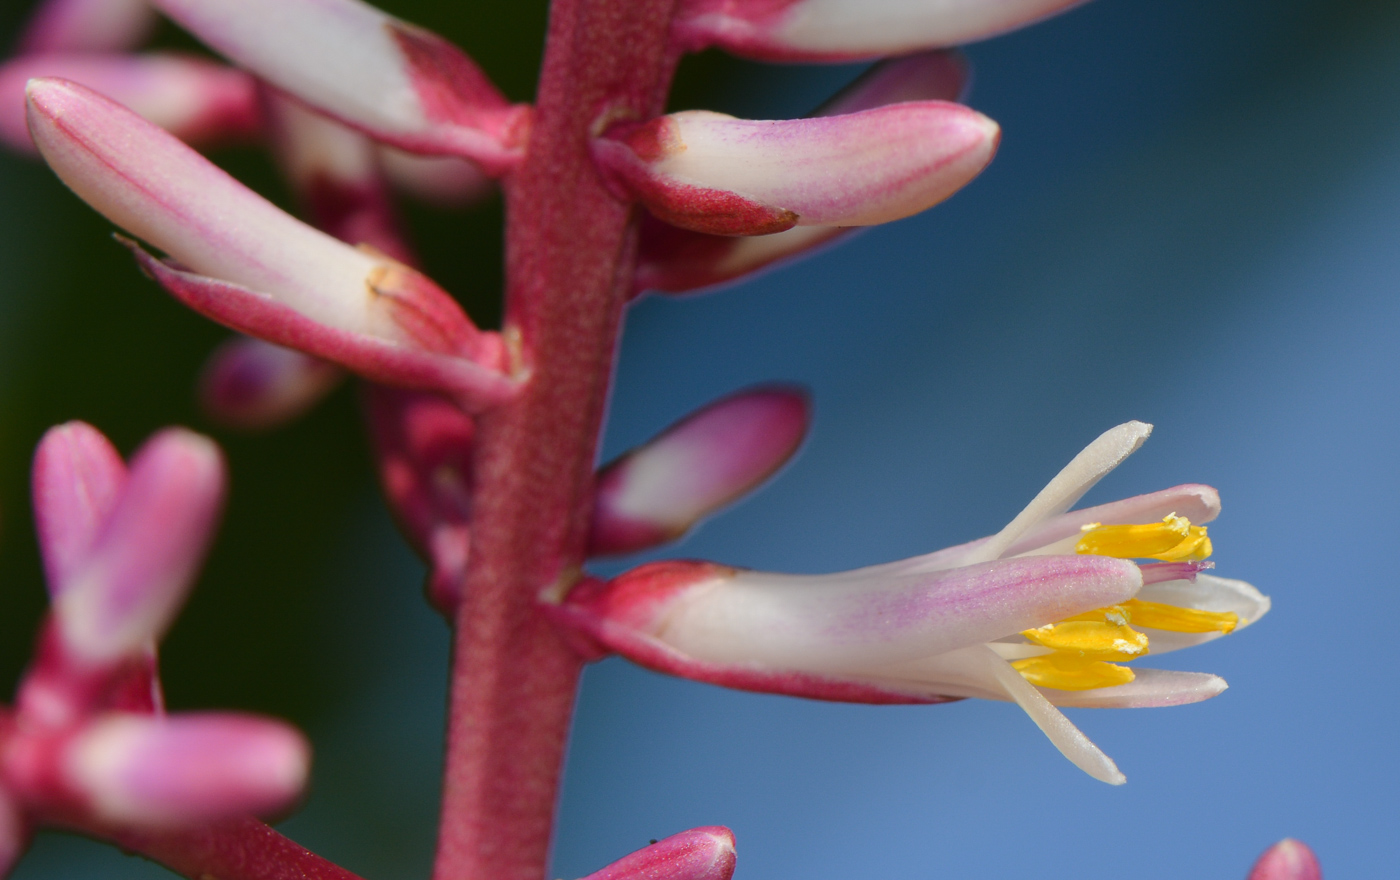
[241,849]
[570,253]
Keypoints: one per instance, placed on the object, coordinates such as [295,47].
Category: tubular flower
[1045,613]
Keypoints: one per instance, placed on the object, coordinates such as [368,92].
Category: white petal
[1151,687]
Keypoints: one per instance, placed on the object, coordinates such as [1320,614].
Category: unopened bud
[254,385]
[76,480]
[698,854]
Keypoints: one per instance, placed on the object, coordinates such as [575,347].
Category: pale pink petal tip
[713,173]
[88,26]
[144,558]
[657,492]
[398,83]
[842,30]
[198,101]
[254,385]
[698,854]
[1288,859]
[939,75]
[186,769]
[77,477]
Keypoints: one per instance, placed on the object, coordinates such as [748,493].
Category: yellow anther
[1100,639]
[1067,673]
[1173,539]
[1155,615]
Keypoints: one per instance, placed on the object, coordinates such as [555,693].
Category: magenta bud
[1288,859]
[709,172]
[658,491]
[699,854]
[399,83]
[843,30]
[184,770]
[87,26]
[77,477]
[197,101]
[144,558]
[254,385]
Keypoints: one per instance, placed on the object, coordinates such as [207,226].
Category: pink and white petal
[1200,504]
[1207,593]
[660,490]
[144,559]
[940,75]
[254,385]
[1288,859]
[713,173]
[397,82]
[87,26]
[698,854]
[183,770]
[198,101]
[77,478]
[437,180]
[1150,688]
[674,260]
[842,30]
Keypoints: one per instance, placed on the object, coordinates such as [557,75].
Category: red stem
[570,251]
[240,849]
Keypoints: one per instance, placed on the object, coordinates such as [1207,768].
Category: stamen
[1172,618]
[1159,572]
[1100,635]
[1068,673]
[1173,539]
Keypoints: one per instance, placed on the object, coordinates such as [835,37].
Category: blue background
[1192,221]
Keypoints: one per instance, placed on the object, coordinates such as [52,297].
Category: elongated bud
[185,770]
[1288,859]
[698,854]
[674,260]
[88,26]
[401,84]
[437,180]
[254,385]
[844,30]
[423,447]
[252,267]
[144,559]
[77,478]
[658,491]
[709,172]
[196,100]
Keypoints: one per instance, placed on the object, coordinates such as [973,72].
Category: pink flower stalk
[1048,601]
[675,260]
[198,101]
[254,385]
[709,172]
[659,491]
[842,30]
[397,82]
[87,26]
[1288,859]
[698,854]
[245,263]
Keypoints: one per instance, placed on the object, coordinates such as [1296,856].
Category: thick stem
[570,250]
[240,849]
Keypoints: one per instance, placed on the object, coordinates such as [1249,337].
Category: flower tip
[1288,859]
[77,475]
[705,853]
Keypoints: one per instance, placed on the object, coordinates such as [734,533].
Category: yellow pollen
[1068,673]
[1101,635]
[1155,615]
[1173,539]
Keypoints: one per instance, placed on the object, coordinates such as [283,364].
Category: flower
[1045,613]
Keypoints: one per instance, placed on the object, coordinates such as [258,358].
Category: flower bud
[185,770]
[698,854]
[1288,859]
[399,83]
[76,480]
[196,100]
[254,385]
[87,26]
[437,180]
[660,490]
[709,172]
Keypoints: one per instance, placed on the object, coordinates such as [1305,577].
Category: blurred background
[1194,220]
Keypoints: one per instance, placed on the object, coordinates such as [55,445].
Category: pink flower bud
[186,770]
[144,558]
[254,385]
[88,26]
[423,445]
[197,101]
[1288,859]
[658,491]
[252,267]
[399,83]
[840,30]
[76,480]
[698,854]
[713,173]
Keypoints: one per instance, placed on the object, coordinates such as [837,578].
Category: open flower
[1048,612]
